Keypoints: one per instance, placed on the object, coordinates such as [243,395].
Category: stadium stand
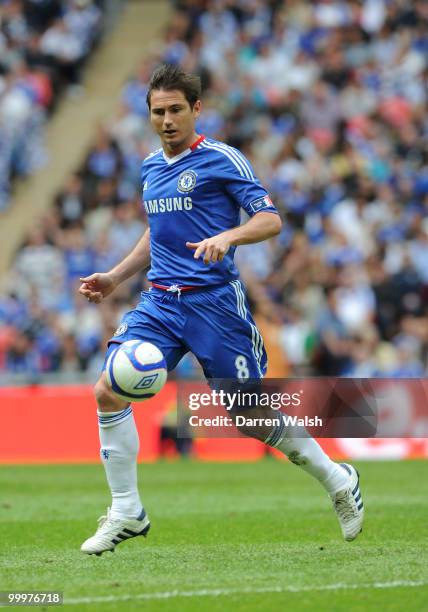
[44,45]
[328,99]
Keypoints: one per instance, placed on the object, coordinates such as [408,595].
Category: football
[136,370]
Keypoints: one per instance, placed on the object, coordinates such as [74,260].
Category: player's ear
[197,107]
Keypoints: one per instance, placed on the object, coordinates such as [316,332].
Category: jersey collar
[197,142]
[176,158]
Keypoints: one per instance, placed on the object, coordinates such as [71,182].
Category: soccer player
[193,190]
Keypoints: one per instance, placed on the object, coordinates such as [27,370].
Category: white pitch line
[220,592]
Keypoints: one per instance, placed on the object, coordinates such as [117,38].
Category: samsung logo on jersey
[168,205]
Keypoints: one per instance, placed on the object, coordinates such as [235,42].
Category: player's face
[173,119]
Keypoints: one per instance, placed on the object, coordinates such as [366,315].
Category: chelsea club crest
[186,181]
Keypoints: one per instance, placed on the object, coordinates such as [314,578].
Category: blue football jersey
[193,196]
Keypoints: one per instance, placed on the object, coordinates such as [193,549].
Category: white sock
[119,450]
[304,451]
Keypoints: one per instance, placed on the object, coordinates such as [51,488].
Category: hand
[213,249]
[97,286]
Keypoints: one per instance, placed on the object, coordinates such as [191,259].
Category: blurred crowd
[43,47]
[328,99]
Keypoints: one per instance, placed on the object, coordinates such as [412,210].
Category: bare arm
[137,260]
[262,226]
[99,285]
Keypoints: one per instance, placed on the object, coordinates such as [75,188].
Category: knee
[240,426]
[106,399]
[250,425]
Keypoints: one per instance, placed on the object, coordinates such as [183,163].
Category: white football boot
[348,505]
[113,531]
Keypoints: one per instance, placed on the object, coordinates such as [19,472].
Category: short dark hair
[170,77]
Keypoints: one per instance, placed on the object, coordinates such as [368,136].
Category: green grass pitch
[238,537]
